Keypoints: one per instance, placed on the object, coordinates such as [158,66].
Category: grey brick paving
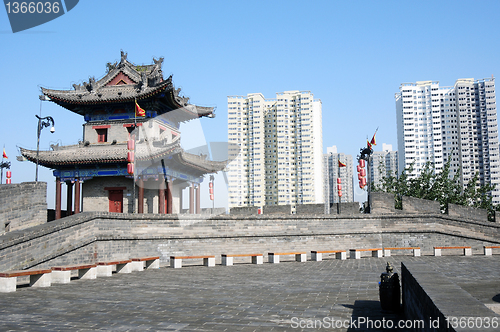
[243,297]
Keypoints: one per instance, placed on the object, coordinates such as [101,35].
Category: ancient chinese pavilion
[98,168]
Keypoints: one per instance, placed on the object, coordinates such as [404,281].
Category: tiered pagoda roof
[124,83]
[81,155]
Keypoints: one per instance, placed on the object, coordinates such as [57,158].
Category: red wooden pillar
[169,196]
[198,190]
[77,196]
[58,198]
[161,197]
[140,200]
[191,199]
[69,198]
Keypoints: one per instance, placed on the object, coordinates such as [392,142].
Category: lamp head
[52,130]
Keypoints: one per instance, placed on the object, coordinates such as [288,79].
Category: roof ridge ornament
[123,59]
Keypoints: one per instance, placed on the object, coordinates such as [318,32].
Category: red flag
[373,142]
[4,154]
[139,111]
[341,164]
[368,144]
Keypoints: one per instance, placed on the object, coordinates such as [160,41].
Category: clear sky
[353,55]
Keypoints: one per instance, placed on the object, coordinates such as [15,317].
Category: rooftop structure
[113,130]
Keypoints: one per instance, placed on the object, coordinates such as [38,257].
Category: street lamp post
[42,123]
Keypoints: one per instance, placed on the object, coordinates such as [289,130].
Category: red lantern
[210,185]
[130,156]
[363,181]
[9,174]
[363,172]
[340,193]
[339,181]
[362,163]
[358,168]
[130,144]
[339,187]
[211,191]
[211,197]
[8,181]
[130,168]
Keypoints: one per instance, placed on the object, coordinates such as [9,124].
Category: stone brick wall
[244,210]
[278,209]
[95,236]
[310,209]
[418,205]
[22,205]
[96,198]
[466,212]
[382,203]
[345,208]
[428,296]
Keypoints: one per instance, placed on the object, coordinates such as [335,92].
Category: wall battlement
[96,236]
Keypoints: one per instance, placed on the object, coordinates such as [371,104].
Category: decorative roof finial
[123,57]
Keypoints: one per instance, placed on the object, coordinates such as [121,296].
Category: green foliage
[437,187]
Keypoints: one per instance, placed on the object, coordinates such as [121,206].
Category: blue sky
[353,55]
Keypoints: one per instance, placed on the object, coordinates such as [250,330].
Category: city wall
[22,205]
[98,236]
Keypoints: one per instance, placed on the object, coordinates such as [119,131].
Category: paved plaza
[243,297]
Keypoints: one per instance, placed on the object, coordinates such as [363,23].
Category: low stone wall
[382,203]
[244,210]
[22,205]
[278,209]
[310,209]
[431,298]
[466,212]
[89,237]
[418,205]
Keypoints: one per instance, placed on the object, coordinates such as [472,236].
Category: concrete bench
[105,269]
[356,253]
[227,260]
[274,257]
[141,263]
[38,278]
[317,256]
[467,250]
[62,274]
[416,251]
[488,250]
[176,261]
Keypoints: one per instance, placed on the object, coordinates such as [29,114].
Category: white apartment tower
[332,173]
[436,123]
[383,163]
[280,157]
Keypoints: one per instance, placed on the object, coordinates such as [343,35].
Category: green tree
[439,187]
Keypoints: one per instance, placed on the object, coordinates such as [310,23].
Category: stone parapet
[382,203]
[90,237]
[22,205]
[419,206]
[467,212]
[431,298]
[310,209]
[244,210]
[278,209]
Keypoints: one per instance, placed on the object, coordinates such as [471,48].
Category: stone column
[198,189]
[58,198]
[140,199]
[169,197]
[69,198]
[161,196]
[191,199]
[77,196]
[180,200]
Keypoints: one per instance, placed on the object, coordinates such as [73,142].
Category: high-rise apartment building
[279,159]
[437,123]
[331,159]
[383,163]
